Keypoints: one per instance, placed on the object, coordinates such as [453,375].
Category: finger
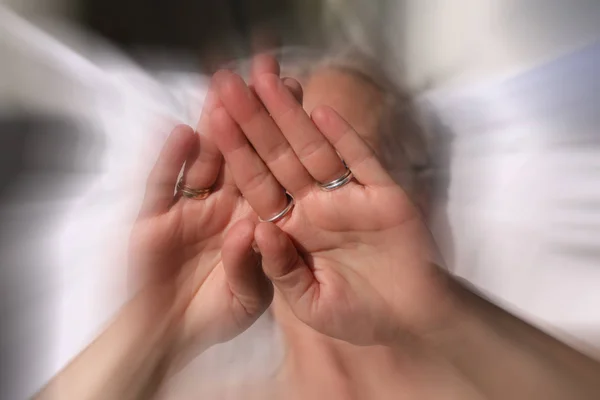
[314,151]
[268,64]
[160,187]
[262,132]
[284,267]
[260,188]
[359,157]
[204,163]
[211,102]
[263,64]
[295,88]
[245,276]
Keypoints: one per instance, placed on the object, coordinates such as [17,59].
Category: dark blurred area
[40,160]
[213,32]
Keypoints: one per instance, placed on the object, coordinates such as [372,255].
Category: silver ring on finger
[280,215]
[337,183]
[191,193]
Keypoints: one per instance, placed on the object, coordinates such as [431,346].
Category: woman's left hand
[355,263]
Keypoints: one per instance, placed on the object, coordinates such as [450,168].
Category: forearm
[128,361]
[505,358]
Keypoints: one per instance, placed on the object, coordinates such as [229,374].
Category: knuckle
[278,151]
[257,179]
[311,148]
[288,116]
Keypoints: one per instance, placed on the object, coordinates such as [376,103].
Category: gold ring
[191,193]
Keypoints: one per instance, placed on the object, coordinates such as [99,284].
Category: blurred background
[430,41]
[510,88]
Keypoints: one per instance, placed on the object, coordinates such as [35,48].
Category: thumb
[285,268]
[245,277]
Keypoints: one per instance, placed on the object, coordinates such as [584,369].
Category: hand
[201,250]
[175,247]
[355,263]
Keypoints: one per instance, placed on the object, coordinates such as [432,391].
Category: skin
[307,348]
[363,253]
[266,155]
[315,361]
[324,364]
[192,263]
[179,241]
[356,265]
[202,248]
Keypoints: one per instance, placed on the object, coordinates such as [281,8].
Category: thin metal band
[282,213]
[191,193]
[338,183]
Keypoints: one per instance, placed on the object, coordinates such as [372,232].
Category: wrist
[177,341]
[449,318]
[127,361]
[148,328]
[435,314]
[468,318]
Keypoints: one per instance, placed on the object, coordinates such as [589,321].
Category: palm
[325,220]
[203,249]
[186,242]
[346,236]
[179,246]
[202,228]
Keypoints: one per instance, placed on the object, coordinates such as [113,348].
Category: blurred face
[362,104]
[354,98]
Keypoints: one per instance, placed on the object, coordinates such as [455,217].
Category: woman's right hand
[200,249]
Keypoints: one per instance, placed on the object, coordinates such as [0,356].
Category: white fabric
[524,203]
[132,111]
[523,198]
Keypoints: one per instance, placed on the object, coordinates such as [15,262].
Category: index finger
[313,150]
[268,64]
[160,188]
[263,64]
